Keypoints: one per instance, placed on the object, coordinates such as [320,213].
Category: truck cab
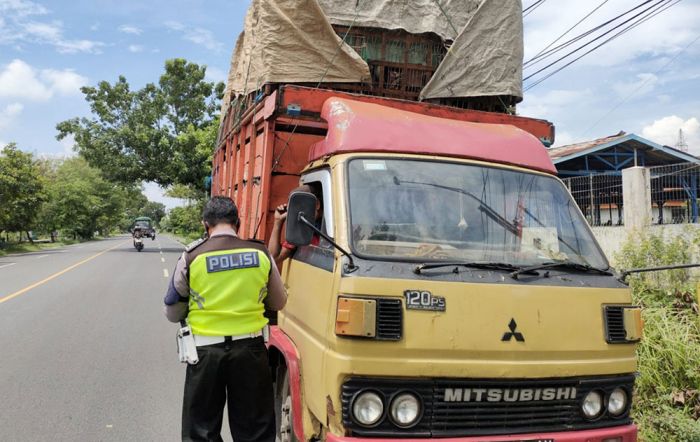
[457,291]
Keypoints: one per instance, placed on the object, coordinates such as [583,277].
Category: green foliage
[21,189]
[184,192]
[80,201]
[667,405]
[163,133]
[185,221]
[153,210]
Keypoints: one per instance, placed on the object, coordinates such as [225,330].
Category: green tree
[154,210]
[21,190]
[81,201]
[163,133]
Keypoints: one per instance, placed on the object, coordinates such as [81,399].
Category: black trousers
[239,371]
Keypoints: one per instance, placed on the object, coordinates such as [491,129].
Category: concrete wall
[611,239]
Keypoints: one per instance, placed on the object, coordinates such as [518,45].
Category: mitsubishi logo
[507,336]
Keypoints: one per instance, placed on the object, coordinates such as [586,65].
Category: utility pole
[681,143]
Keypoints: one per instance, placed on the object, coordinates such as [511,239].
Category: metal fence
[599,197]
[674,193]
[675,190]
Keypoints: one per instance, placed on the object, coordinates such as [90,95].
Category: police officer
[222,285]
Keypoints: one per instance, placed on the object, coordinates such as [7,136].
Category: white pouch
[186,347]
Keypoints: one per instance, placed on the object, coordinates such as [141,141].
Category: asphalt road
[86,353]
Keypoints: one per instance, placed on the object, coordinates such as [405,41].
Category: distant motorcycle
[138,241]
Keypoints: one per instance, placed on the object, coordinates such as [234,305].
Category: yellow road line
[165,273]
[55,275]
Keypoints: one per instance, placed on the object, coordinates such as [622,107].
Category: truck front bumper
[626,433]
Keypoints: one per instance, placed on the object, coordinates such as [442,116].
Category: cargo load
[464,53]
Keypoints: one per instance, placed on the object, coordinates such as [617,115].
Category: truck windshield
[442,211]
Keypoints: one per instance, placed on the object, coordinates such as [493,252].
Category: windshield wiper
[564,265]
[476,265]
[483,207]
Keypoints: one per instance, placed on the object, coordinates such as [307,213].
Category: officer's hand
[281,213]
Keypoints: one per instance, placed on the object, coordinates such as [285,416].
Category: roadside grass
[26,247]
[185,237]
[667,397]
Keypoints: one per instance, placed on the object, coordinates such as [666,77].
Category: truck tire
[283,408]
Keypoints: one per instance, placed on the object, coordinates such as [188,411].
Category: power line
[638,88]
[633,25]
[569,30]
[548,53]
[596,47]
[532,7]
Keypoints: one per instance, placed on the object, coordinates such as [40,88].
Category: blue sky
[48,49]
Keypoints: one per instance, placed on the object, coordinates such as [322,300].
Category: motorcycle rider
[137,236]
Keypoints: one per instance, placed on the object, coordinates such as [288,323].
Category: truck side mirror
[301,211]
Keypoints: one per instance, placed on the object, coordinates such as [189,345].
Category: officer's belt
[201,340]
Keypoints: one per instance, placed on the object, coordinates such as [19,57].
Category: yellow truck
[450,288]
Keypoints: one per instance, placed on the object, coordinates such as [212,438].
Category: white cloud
[44,31]
[644,84]
[65,82]
[215,74]
[174,25]
[95,27]
[135,48]
[21,8]
[549,103]
[665,131]
[68,143]
[75,46]
[662,35]
[19,80]
[128,29]
[18,26]
[155,193]
[8,114]
[199,36]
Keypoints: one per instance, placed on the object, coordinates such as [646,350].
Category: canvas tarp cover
[486,58]
[414,16]
[290,41]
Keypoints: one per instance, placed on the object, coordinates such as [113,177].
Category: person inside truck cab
[279,248]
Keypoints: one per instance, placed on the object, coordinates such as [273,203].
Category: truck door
[309,277]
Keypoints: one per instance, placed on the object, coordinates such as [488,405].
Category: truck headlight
[367,408]
[405,410]
[592,404]
[617,403]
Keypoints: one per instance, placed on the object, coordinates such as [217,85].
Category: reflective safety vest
[228,283]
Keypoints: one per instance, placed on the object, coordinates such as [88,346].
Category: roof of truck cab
[355,126]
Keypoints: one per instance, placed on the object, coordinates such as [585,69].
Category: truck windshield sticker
[424,300]
[232,261]
[374,164]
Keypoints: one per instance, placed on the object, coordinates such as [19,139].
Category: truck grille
[614,325]
[457,418]
[389,319]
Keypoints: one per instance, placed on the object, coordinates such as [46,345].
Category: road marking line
[41,256]
[55,275]
[162,259]
[165,273]
[8,265]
